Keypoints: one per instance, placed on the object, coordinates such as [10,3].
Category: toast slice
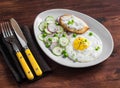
[73,24]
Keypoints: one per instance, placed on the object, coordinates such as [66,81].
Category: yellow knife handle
[33,62]
[24,65]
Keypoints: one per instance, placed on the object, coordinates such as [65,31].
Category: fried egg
[84,47]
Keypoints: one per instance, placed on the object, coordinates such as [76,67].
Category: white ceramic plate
[94,25]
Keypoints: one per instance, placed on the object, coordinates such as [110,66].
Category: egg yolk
[81,43]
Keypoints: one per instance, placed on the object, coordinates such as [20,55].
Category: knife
[23,42]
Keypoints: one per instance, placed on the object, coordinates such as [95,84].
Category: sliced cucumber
[42,25]
[63,41]
[40,36]
[47,31]
[55,39]
[45,39]
[57,51]
[59,29]
[48,39]
[50,19]
[63,34]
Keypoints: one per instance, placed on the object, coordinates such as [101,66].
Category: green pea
[50,39]
[64,35]
[65,55]
[44,35]
[74,34]
[47,45]
[63,51]
[56,35]
[90,34]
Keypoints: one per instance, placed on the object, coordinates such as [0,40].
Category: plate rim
[85,64]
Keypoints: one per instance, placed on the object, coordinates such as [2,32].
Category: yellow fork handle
[24,65]
[33,62]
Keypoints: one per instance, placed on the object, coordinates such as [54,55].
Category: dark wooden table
[104,75]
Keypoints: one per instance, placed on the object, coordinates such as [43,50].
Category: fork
[9,37]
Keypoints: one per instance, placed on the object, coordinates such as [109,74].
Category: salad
[77,47]
[54,36]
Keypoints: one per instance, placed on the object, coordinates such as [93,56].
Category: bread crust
[78,31]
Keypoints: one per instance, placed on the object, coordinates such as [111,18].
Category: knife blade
[23,42]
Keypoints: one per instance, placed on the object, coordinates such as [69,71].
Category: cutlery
[9,37]
[23,42]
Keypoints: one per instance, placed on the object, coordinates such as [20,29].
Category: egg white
[88,54]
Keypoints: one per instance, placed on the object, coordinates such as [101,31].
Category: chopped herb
[90,34]
[47,24]
[76,60]
[74,34]
[97,48]
[85,40]
[70,22]
[56,23]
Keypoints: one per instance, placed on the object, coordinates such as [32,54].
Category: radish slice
[55,39]
[52,28]
[58,18]
[53,45]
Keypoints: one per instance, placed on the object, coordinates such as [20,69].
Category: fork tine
[7,29]
[10,31]
[3,32]
[4,29]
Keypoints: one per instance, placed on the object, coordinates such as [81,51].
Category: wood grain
[104,75]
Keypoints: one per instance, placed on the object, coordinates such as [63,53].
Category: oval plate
[94,25]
